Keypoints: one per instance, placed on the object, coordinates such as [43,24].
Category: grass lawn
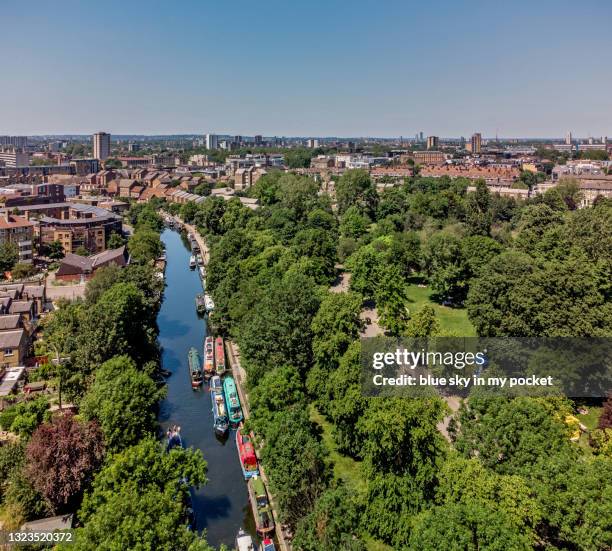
[451,319]
[591,419]
[345,468]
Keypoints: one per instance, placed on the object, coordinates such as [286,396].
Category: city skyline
[307,70]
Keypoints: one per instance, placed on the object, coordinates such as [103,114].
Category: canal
[221,507]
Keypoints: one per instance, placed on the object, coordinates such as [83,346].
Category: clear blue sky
[335,67]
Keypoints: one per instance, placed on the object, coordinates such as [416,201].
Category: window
[8,352]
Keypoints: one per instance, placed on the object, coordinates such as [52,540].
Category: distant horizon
[407,137]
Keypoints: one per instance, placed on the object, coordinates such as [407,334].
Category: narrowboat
[262,512]
[195,368]
[221,422]
[173,438]
[267,545]
[231,399]
[246,454]
[200,304]
[209,303]
[192,262]
[209,358]
[219,356]
[202,271]
[244,542]
[199,259]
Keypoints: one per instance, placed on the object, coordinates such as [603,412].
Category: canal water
[221,506]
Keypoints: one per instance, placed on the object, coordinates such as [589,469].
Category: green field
[346,469]
[451,319]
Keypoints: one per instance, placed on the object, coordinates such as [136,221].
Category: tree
[423,323]
[22,271]
[363,264]
[478,215]
[468,526]
[81,251]
[478,250]
[331,525]
[277,330]
[574,495]
[354,188]
[392,299]
[9,255]
[335,325]
[123,400]
[448,274]
[115,241]
[103,279]
[56,250]
[509,435]
[62,457]
[119,323]
[298,158]
[145,245]
[353,223]
[295,464]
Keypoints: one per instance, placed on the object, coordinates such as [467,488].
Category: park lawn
[591,419]
[345,468]
[451,319]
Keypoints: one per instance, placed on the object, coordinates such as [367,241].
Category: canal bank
[221,507]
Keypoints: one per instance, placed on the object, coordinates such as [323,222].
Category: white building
[212,141]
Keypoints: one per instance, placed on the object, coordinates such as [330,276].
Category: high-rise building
[476,142]
[433,142]
[101,146]
[15,141]
[312,143]
[421,138]
[258,139]
[568,138]
[212,141]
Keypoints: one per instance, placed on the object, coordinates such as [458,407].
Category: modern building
[13,157]
[312,143]
[258,139]
[433,142]
[246,177]
[568,138]
[74,225]
[476,143]
[101,145]
[212,141]
[17,230]
[15,141]
[83,167]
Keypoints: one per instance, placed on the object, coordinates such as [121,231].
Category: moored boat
[232,401]
[200,304]
[262,512]
[219,356]
[209,358]
[173,438]
[209,303]
[244,542]
[195,368]
[192,262]
[246,454]
[202,271]
[221,422]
